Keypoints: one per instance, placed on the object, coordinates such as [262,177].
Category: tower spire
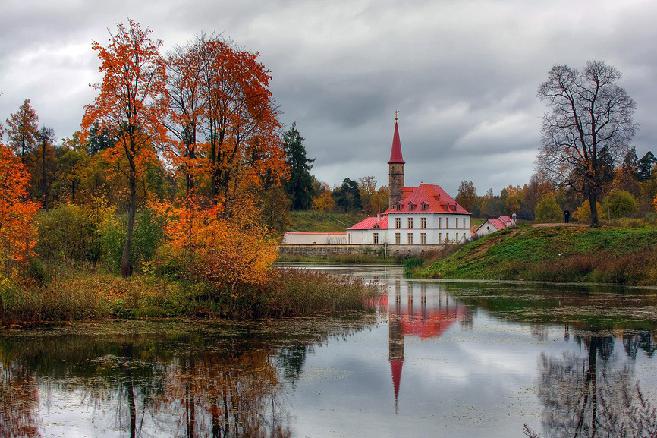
[395,167]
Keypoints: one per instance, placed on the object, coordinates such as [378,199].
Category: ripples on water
[434,359]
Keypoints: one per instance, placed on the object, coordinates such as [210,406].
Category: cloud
[463,73]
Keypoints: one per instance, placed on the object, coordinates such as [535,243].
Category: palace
[417,216]
[422,215]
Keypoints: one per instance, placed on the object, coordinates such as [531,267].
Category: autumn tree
[240,122]
[23,130]
[324,201]
[467,196]
[589,115]
[17,231]
[131,105]
[547,209]
[46,157]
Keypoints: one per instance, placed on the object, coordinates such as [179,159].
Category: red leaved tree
[17,230]
[131,105]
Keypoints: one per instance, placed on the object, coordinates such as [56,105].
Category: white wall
[437,229]
[292,238]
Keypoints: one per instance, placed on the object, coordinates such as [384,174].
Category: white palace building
[417,216]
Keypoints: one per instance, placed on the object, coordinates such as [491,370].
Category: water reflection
[431,361]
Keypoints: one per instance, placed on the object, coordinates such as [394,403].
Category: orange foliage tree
[225,252]
[23,129]
[131,105]
[17,230]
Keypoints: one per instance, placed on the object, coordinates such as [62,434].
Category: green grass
[313,220]
[609,254]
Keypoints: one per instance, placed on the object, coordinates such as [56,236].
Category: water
[434,359]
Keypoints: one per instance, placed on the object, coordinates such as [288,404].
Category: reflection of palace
[413,313]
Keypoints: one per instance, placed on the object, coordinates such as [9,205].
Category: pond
[453,359]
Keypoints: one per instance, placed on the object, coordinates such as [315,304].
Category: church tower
[395,168]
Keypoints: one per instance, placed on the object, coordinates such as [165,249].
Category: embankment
[556,253]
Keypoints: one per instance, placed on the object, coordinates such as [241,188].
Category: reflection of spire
[395,353]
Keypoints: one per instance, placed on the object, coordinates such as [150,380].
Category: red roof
[372,222]
[315,232]
[427,198]
[506,219]
[395,149]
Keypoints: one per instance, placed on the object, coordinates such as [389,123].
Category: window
[423,238]
[440,222]
[397,222]
[409,238]
[410,222]
[397,238]
[464,237]
[423,223]
[376,238]
[457,223]
[440,237]
[446,222]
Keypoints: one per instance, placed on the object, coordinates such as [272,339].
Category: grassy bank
[90,294]
[619,255]
[313,220]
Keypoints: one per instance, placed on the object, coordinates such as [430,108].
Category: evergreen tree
[646,164]
[99,140]
[300,185]
[347,196]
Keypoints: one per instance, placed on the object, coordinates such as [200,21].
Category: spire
[396,371]
[395,149]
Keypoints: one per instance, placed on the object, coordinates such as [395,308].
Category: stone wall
[377,250]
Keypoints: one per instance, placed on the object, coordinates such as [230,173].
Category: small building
[495,224]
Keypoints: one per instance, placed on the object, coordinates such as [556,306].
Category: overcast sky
[463,74]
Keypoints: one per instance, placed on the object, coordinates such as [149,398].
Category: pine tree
[300,184]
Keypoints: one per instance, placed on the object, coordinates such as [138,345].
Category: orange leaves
[17,231]
[132,100]
[223,252]
[654,203]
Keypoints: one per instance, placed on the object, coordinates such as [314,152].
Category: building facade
[422,215]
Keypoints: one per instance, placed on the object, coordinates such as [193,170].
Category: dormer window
[424,205]
[411,206]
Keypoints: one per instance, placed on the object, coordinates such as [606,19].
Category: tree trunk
[44,182]
[126,256]
[593,201]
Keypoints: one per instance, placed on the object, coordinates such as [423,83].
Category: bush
[620,203]
[68,232]
[583,213]
[547,209]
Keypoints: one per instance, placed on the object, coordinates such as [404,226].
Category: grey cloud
[462,73]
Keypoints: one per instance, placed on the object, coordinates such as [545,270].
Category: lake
[452,359]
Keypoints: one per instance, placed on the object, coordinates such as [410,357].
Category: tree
[373,200]
[347,196]
[620,203]
[131,105]
[467,196]
[547,209]
[46,155]
[324,201]
[590,115]
[583,212]
[23,130]
[645,166]
[17,230]
[299,185]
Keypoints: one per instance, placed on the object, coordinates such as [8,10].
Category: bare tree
[589,123]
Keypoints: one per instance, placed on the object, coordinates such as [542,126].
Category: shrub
[620,203]
[68,232]
[547,209]
[583,213]
[111,232]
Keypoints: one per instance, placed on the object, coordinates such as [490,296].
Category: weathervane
[396,115]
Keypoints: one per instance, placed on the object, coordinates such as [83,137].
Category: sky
[462,73]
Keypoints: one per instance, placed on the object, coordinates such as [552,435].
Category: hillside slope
[313,220]
[558,253]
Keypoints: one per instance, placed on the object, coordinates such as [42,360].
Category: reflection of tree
[18,401]
[291,359]
[584,396]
